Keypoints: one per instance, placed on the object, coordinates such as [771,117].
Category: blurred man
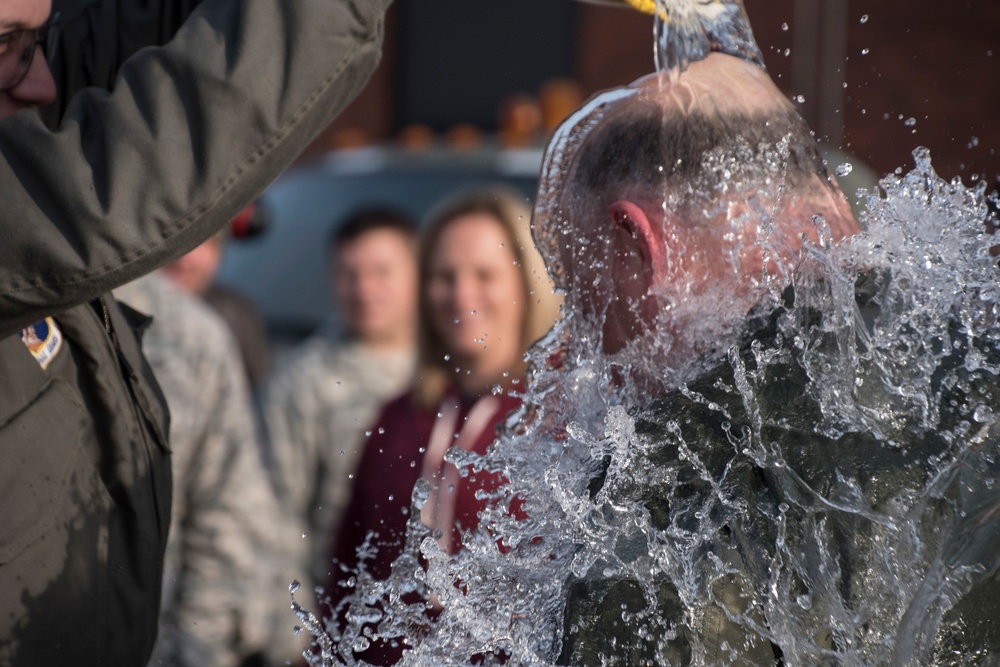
[218,571]
[195,273]
[674,222]
[135,177]
[318,407]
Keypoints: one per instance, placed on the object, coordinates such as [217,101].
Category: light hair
[541,303]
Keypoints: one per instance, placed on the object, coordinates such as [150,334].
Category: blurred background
[468,91]
[864,68]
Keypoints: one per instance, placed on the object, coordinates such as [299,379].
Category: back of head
[720,131]
[670,206]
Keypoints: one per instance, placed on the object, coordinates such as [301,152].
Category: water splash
[686,31]
[828,488]
[816,481]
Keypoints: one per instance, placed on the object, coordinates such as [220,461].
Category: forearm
[191,132]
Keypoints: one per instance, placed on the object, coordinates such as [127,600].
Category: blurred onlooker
[484,297]
[318,405]
[195,272]
[217,574]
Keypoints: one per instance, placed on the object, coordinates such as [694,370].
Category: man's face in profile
[33,87]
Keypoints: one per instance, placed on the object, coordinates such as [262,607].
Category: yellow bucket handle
[647,6]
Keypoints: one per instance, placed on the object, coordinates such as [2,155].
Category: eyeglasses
[17,50]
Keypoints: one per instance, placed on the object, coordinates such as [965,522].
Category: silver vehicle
[283,269]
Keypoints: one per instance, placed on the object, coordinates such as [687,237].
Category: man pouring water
[155,152]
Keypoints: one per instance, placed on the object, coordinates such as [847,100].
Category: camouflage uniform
[317,408]
[703,417]
[217,589]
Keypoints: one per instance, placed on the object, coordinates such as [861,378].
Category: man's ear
[638,257]
[636,263]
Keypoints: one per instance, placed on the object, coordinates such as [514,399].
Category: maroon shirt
[390,467]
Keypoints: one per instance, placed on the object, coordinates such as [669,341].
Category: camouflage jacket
[218,576]
[777,517]
[317,408]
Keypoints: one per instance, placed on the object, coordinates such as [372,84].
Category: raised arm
[190,132]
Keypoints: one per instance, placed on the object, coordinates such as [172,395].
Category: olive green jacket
[131,179]
[746,488]
[190,132]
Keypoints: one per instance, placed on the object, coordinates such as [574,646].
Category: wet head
[669,208]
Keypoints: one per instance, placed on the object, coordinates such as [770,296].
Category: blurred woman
[484,297]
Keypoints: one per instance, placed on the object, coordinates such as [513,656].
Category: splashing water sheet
[817,485]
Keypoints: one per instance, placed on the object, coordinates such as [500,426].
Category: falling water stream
[820,488]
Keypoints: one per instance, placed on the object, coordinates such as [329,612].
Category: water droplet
[864,19]
[865,52]
[294,586]
[845,169]
[788,52]
[973,142]
[784,27]
[801,99]
[305,536]
[910,122]
[297,630]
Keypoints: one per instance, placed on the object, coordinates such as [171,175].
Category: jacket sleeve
[89,40]
[190,132]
